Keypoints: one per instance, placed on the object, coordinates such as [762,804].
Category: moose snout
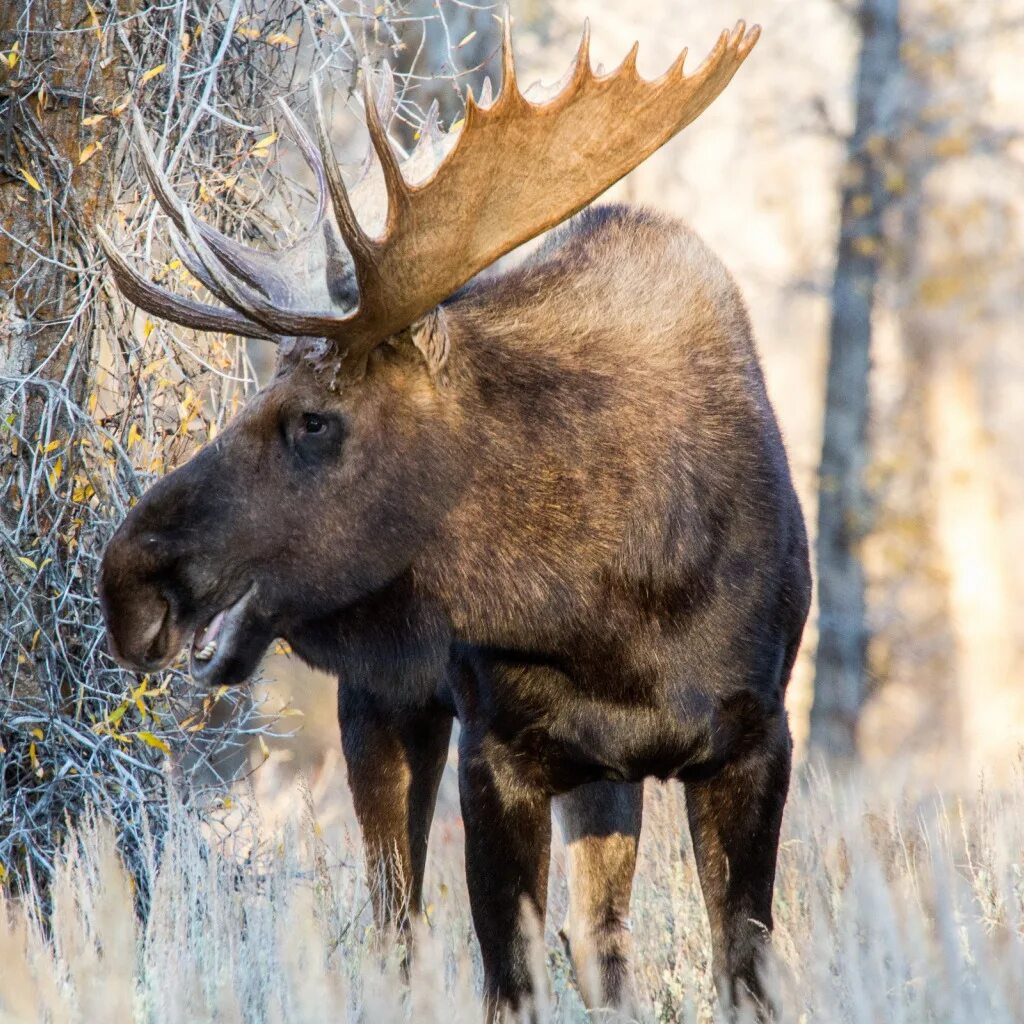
[141,631]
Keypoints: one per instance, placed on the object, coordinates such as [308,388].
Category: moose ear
[430,336]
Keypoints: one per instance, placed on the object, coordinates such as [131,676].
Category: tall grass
[887,909]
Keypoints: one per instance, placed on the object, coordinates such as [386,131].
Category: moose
[551,501]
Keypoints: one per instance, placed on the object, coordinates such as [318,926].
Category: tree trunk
[60,70]
[843,511]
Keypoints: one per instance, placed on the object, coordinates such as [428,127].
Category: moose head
[339,479]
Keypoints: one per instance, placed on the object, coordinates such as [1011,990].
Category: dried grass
[902,910]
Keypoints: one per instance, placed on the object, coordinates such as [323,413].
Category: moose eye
[314,435]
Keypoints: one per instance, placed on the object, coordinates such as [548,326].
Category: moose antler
[516,170]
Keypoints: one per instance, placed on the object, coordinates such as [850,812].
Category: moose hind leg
[735,818]
[395,757]
[600,824]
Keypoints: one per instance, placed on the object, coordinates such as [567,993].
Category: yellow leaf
[153,741]
[264,749]
[280,39]
[153,72]
[11,57]
[25,560]
[952,145]
[895,182]
[466,39]
[457,125]
[32,182]
[150,368]
[134,435]
[89,152]
[148,328]
[3,870]
[121,105]
[246,32]
[117,714]
[57,471]
[865,245]
[36,766]
[137,696]
[51,447]
[94,119]
[266,141]
[38,733]
[860,205]
[94,20]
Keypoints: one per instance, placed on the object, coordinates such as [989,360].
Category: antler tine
[581,69]
[255,267]
[352,234]
[168,306]
[194,265]
[386,94]
[509,93]
[314,323]
[432,123]
[629,61]
[397,189]
[312,156]
[486,93]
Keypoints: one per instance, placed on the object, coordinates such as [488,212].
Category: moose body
[557,507]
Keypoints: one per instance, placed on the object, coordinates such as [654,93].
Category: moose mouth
[223,650]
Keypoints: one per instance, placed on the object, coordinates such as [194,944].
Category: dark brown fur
[560,509]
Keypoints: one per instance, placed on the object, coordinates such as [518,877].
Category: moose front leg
[508,845]
[395,757]
[600,825]
[735,819]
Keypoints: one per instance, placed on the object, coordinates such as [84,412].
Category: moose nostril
[156,636]
[139,633]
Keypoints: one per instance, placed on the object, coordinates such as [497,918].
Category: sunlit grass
[887,909]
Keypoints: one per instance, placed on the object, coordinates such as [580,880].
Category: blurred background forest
[862,178]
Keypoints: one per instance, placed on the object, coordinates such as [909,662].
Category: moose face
[310,500]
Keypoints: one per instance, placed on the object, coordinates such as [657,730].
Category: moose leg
[735,818]
[600,825]
[395,757]
[508,844]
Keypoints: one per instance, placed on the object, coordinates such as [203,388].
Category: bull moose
[550,501]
